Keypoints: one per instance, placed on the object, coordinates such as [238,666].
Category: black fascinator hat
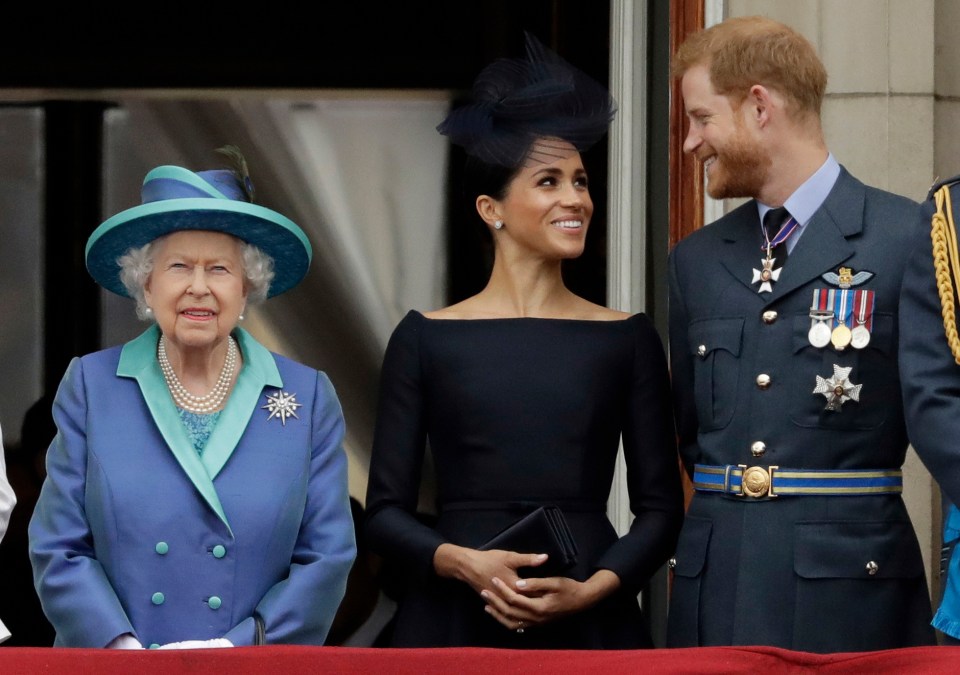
[517,101]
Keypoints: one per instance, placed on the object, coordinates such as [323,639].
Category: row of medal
[842,317]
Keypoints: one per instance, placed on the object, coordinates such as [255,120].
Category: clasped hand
[516,602]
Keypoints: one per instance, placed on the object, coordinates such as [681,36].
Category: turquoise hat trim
[179,174]
[275,234]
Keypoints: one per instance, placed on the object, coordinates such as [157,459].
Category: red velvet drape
[293,660]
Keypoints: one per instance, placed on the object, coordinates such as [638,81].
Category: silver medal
[860,337]
[819,333]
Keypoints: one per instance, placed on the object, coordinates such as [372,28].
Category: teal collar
[138,360]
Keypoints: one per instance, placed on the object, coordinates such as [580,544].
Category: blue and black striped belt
[773,481]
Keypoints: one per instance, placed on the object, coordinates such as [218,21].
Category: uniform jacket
[931,389]
[135,532]
[793,571]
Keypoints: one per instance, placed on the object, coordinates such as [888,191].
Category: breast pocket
[874,368]
[715,345]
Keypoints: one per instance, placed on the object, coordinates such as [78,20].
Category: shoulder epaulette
[940,183]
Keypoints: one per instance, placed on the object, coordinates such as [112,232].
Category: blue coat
[804,572]
[135,532]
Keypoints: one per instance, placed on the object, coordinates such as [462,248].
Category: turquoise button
[219,551]
[214,602]
[162,547]
[154,645]
[157,598]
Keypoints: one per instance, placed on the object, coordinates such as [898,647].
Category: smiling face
[547,206]
[196,289]
[736,162]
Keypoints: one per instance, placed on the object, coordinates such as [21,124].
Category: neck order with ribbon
[767,275]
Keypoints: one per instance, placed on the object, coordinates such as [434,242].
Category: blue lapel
[138,360]
[259,371]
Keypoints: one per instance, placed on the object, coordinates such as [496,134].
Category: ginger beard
[739,168]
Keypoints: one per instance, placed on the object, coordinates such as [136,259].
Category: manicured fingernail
[541,556]
[484,595]
[486,608]
[521,583]
[496,582]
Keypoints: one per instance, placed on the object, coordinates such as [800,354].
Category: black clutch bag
[541,531]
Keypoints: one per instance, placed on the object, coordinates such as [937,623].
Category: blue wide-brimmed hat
[175,199]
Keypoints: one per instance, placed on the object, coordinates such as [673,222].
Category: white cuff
[125,641]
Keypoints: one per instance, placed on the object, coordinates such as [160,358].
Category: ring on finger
[520,625]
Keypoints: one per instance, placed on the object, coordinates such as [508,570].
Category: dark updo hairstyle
[482,178]
[515,102]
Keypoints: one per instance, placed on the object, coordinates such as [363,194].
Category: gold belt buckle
[756,482]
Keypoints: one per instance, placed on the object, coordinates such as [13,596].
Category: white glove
[197,644]
[125,641]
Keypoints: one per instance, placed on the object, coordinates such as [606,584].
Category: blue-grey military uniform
[796,536]
[931,380]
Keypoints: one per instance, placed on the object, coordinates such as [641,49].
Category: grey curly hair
[137,264]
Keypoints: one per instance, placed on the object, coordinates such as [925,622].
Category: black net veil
[520,107]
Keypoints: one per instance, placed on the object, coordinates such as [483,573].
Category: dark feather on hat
[518,101]
[239,167]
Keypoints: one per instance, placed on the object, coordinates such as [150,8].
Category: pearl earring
[147,311]
[498,225]
[241,317]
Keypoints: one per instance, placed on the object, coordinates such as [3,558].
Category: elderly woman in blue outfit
[196,490]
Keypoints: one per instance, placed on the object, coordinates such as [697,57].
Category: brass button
[769,316]
[758,448]
[872,568]
[702,350]
[672,563]
[763,381]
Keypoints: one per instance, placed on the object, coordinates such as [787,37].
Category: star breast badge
[282,405]
[838,389]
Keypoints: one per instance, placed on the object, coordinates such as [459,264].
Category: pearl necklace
[211,401]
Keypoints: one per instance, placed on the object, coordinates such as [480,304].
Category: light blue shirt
[807,198]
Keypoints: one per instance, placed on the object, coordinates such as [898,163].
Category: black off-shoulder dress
[518,413]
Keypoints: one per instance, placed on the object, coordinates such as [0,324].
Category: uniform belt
[773,481]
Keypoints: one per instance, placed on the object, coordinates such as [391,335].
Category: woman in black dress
[523,392]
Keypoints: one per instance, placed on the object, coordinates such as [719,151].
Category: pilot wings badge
[845,277]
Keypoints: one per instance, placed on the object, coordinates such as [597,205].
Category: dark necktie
[773,220]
